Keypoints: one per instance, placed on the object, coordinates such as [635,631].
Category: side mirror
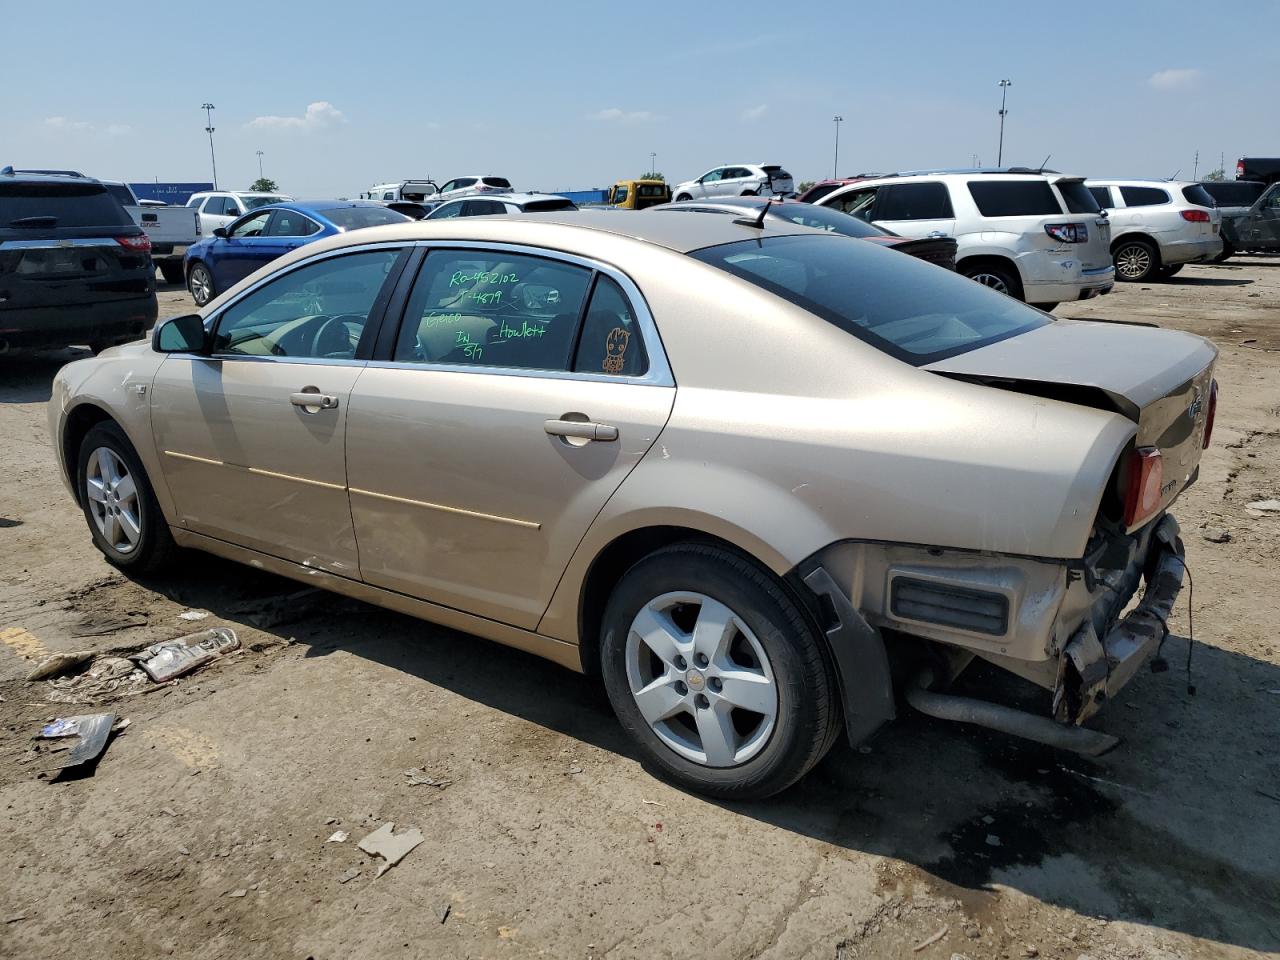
[220,232]
[183,334]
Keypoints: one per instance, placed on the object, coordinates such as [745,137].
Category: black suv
[74,267]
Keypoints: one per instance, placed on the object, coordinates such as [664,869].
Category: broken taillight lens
[140,244]
[1068,232]
[1146,476]
[1211,413]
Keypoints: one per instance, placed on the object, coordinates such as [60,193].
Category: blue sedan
[242,246]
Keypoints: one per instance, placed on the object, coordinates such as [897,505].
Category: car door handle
[581,429]
[313,398]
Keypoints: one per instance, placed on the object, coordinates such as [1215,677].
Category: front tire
[118,502]
[1228,251]
[1136,261]
[683,197]
[716,674]
[200,284]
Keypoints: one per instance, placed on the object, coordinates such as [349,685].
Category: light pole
[653,163]
[208,109]
[260,176]
[1004,92]
[835,163]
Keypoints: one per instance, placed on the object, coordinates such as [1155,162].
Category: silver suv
[1158,225]
[1035,235]
[737,180]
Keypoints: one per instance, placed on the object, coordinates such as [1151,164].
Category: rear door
[918,208]
[780,182]
[1084,208]
[482,447]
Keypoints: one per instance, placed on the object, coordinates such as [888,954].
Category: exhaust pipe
[943,706]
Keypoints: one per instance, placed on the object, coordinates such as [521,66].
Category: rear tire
[119,504]
[200,284]
[1165,273]
[1228,251]
[1136,261]
[172,272]
[997,277]
[739,701]
[750,193]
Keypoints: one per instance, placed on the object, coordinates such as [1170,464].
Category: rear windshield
[825,218]
[60,205]
[906,307]
[814,194]
[1235,193]
[542,206]
[502,182]
[1198,195]
[1014,198]
[1077,197]
[121,193]
[353,218]
[777,172]
[253,203]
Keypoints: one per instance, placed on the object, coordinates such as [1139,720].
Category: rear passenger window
[1143,196]
[493,309]
[1103,196]
[1077,197]
[482,208]
[1013,198]
[914,201]
[611,342]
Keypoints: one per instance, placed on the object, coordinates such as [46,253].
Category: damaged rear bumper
[1093,668]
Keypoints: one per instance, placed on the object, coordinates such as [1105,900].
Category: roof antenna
[1175,174]
[757,222]
[1044,163]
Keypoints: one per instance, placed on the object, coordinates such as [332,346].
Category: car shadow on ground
[1181,281]
[1170,830]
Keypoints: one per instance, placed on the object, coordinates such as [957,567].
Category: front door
[916,209]
[479,455]
[246,247]
[252,438]
[709,184]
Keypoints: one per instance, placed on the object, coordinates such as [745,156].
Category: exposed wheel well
[990,260]
[79,422]
[1145,238]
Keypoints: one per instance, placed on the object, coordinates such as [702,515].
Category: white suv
[218,208]
[737,180]
[1037,236]
[470,186]
[1158,225]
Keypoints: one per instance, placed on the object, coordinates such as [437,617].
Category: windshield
[825,218]
[901,305]
[1235,193]
[63,204]
[253,203]
[353,218]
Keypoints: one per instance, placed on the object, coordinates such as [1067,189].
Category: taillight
[1239,169]
[1068,232]
[140,244]
[1212,412]
[1196,216]
[1146,475]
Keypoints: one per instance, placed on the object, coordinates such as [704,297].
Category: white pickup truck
[170,229]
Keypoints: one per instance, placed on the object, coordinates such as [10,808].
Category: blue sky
[571,95]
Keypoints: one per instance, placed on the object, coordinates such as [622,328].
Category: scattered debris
[392,847]
[107,676]
[993,840]
[267,612]
[1216,534]
[942,932]
[654,803]
[22,916]
[55,665]
[420,779]
[92,731]
[1266,506]
[193,614]
[238,893]
[101,626]
[573,771]
[443,912]
[164,661]
[169,811]
[348,875]
[331,821]
[338,836]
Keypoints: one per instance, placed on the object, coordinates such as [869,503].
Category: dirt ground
[202,831]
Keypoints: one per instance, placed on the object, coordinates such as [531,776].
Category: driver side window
[713,176]
[317,311]
[856,204]
[252,227]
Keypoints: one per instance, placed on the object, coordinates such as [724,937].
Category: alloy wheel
[701,679]
[113,500]
[1133,261]
[201,286]
[992,280]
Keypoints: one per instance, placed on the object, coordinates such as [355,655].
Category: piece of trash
[55,665]
[392,847]
[988,819]
[1266,506]
[238,893]
[193,614]
[1250,339]
[92,729]
[331,820]
[348,875]
[1216,534]
[418,779]
[173,658]
[942,932]
[654,803]
[184,851]
[169,811]
[338,836]
[993,840]
[106,676]
[443,912]
[22,916]
[573,771]
[100,626]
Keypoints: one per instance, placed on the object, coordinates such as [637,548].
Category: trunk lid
[1159,379]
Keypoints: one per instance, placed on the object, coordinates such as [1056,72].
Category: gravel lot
[203,829]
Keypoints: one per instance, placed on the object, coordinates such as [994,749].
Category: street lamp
[653,161]
[208,109]
[260,176]
[1004,92]
[835,163]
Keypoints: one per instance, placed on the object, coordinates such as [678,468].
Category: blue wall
[174,193]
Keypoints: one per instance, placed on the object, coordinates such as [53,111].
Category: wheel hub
[695,680]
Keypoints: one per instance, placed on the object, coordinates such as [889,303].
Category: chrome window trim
[659,373]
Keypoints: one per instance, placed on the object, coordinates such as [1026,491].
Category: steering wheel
[338,336]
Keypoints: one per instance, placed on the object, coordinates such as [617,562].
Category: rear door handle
[581,429]
[314,398]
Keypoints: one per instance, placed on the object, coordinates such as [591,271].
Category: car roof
[1139,182]
[10,175]
[302,206]
[511,196]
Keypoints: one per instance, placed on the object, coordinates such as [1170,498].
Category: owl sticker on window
[615,350]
